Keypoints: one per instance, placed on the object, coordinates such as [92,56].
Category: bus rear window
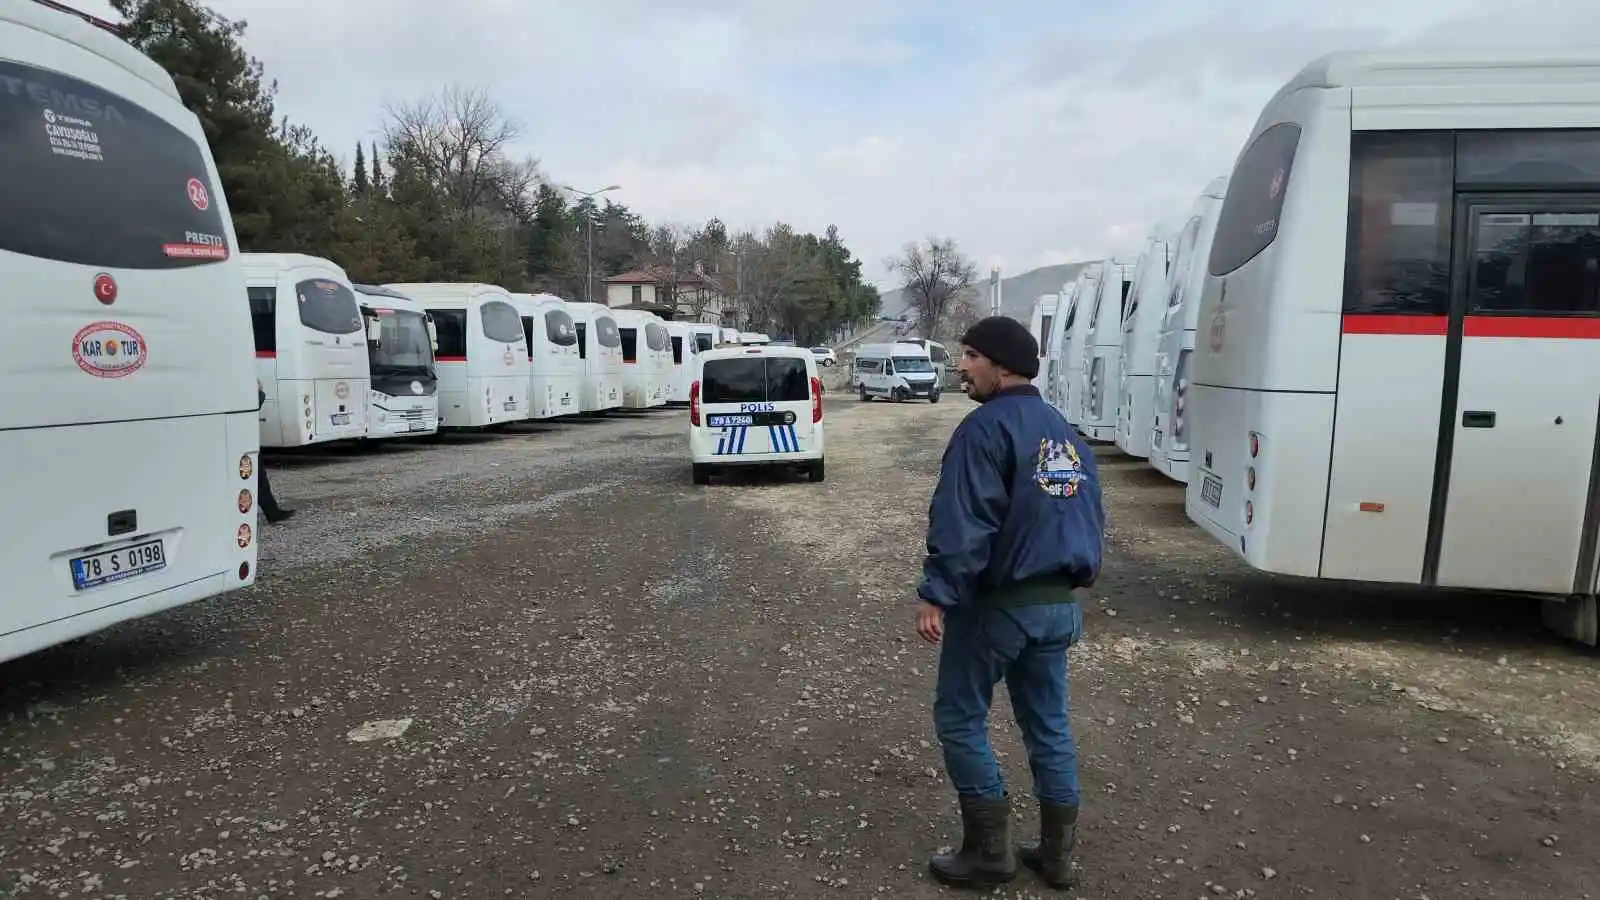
[605,332]
[500,322]
[328,306]
[755,380]
[558,328]
[94,179]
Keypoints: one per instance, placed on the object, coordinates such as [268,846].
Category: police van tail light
[694,404]
[816,400]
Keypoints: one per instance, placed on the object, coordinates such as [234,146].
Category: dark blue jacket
[1018,499]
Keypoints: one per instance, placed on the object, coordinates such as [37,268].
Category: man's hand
[930,622]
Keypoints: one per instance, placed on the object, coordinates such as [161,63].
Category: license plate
[340,418]
[566,401]
[511,406]
[1211,490]
[118,565]
[723,421]
[1155,438]
[417,426]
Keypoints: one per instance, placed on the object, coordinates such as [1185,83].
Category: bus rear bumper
[31,639]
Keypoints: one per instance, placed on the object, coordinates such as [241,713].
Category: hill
[1017,293]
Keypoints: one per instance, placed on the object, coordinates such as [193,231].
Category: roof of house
[663,275]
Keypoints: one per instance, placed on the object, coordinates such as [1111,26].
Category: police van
[755,406]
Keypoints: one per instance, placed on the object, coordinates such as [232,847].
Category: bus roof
[450,292]
[97,36]
[1446,65]
[253,260]
[378,290]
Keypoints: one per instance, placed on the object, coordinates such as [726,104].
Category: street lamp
[588,284]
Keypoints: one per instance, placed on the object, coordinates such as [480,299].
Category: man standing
[269,503]
[1014,527]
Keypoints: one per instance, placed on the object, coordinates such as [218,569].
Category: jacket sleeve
[969,506]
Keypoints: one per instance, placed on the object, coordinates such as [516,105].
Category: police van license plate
[118,565]
[726,419]
[1211,490]
[340,418]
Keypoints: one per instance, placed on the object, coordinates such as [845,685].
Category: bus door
[1514,487]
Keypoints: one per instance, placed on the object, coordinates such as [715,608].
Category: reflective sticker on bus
[108,349]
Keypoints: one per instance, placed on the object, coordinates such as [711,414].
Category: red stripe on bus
[449,359]
[1556,327]
[266,354]
[1423,325]
[1531,327]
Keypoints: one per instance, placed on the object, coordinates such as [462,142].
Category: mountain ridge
[1017,293]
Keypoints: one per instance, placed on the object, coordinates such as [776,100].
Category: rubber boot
[986,857]
[1051,854]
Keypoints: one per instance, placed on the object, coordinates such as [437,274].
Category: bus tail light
[816,400]
[244,571]
[1180,399]
[694,404]
[1249,512]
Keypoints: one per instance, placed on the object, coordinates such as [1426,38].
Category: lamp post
[588,284]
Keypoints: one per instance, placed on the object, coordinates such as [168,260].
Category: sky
[1031,133]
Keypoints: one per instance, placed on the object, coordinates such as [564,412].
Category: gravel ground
[541,663]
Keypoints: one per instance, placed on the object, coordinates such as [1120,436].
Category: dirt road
[609,683]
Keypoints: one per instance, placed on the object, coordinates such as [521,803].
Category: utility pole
[588,283]
[994,291]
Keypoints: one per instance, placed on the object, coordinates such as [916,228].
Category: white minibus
[404,399]
[1102,354]
[1141,329]
[483,354]
[1169,430]
[555,370]
[646,358]
[1067,388]
[1056,343]
[128,415]
[1398,372]
[681,369]
[600,348]
[756,406]
[900,371]
[311,349]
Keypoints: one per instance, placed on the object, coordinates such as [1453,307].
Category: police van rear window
[755,380]
[93,178]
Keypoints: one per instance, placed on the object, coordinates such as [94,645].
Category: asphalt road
[610,683]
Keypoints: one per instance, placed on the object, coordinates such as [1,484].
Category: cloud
[1031,132]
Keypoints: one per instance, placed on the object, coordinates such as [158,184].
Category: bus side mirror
[433,335]
[374,331]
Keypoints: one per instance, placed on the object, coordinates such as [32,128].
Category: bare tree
[963,315]
[460,141]
[936,276]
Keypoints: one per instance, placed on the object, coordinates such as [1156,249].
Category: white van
[899,372]
[756,406]
[555,370]
[311,349]
[128,431]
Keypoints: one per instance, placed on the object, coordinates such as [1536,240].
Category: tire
[933,397]
[864,397]
[815,471]
[702,474]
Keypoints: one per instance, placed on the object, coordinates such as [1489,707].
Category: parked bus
[1067,389]
[1056,343]
[1169,431]
[730,337]
[1412,398]
[1141,329]
[1044,310]
[646,358]
[685,357]
[401,339]
[706,336]
[311,349]
[1102,354]
[555,369]
[483,354]
[600,348]
[129,428]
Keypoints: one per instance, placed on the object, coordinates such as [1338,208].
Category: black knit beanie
[1006,341]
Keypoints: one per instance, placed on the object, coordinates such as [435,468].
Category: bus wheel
[702,474]
[1575,618]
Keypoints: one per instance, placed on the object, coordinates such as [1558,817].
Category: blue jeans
[1027,646]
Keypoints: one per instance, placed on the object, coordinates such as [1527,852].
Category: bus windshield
[912,364]
[403,348]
